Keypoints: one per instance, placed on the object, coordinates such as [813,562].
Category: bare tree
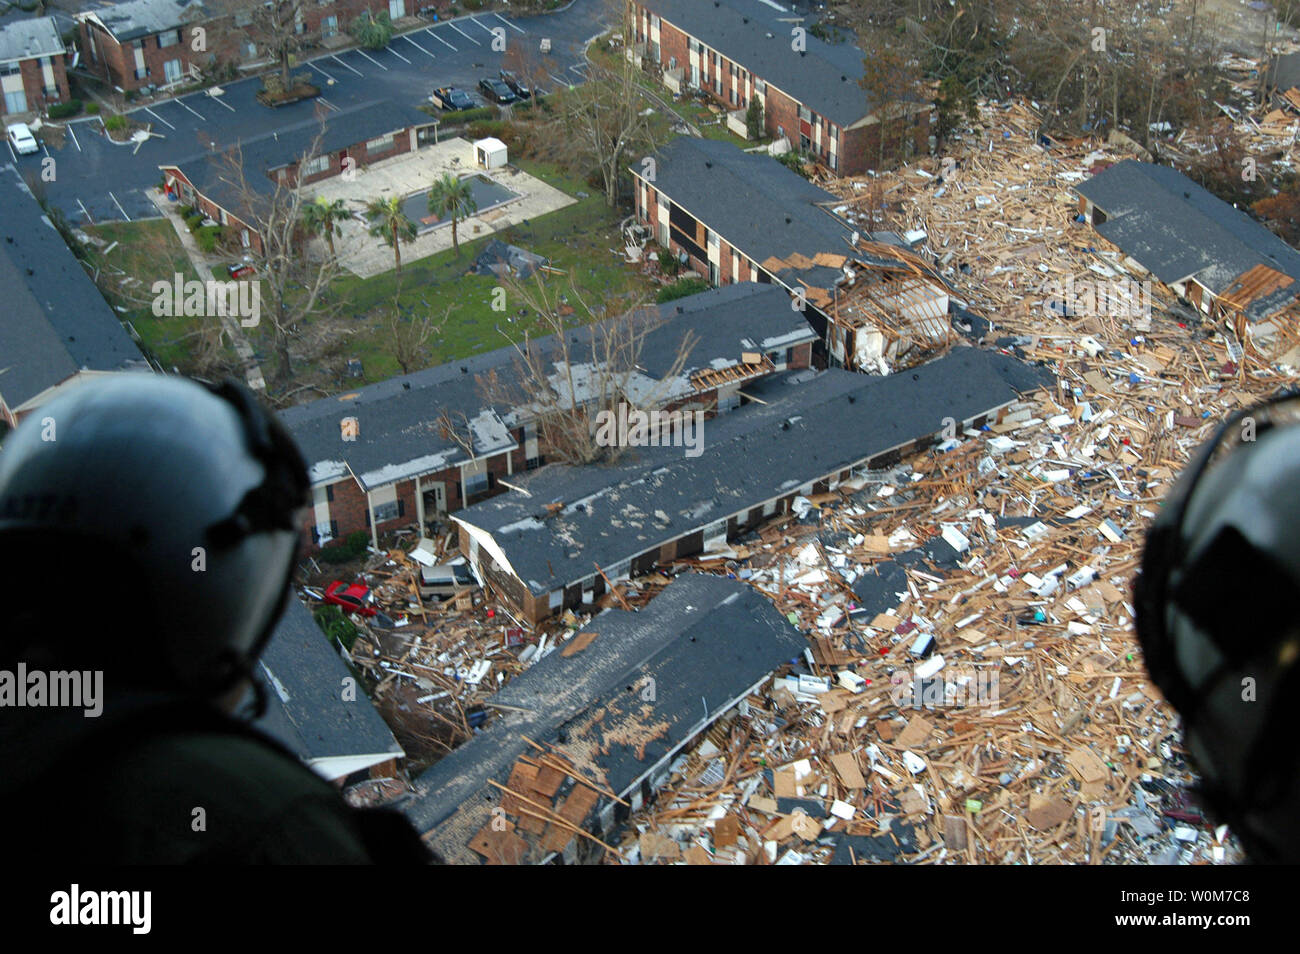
[294,287]
[606,120]
[408,335]
[564,382]
[278,27]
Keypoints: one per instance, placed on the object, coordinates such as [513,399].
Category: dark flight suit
[127,787]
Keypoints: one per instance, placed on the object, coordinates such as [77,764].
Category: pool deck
[364,255]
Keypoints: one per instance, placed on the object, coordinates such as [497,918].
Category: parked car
[497,91]
[446,581]
[21,138]
[517,86]
[241,270]
[450,98]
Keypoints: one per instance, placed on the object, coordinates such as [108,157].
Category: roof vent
[853,399]
[680,310]
[1187,195]
[406,385]
[787,220]
[708,163]
[464,370]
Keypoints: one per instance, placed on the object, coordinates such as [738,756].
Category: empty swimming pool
[487,194]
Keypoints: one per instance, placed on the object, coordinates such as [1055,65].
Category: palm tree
[389,222]
[452,196]
[321,217]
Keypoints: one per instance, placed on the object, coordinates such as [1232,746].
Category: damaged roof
[705,641]
[25,39]
[759,36]
[1176,230]
[140,18]
[812,425]
[55,322]
[760,207]
[301,674]
[399,436]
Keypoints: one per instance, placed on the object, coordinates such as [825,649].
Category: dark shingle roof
[54,321]
[398,434]
[139,18]
[704,641]
[303,675]
[753,34]
[811,426]
[208,171]
[756,204]
[24,39]
[1176,229]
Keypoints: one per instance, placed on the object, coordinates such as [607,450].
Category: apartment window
[386,505]
[170,38]
[713,273]
[9,69]
[654,22]
[313,166]
[735,97]
[172,70]
[834,131]
[760,86]
[834,160]
[243,18]
[329,26]
[382,144]
[693,45]
[250,51]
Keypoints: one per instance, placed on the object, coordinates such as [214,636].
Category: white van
[444,582]
[22,140]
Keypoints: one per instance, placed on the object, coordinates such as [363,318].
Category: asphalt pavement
[97,180]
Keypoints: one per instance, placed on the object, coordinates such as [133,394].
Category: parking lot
[95,179]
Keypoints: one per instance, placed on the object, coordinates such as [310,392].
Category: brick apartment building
[32,72]
[740,217]
[737,50]
[143,44]
[395,462]
[362,133]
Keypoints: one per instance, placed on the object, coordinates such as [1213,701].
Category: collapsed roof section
[399,421]
[803,427]
[584,727]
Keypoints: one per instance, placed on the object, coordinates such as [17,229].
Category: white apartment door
[396,9]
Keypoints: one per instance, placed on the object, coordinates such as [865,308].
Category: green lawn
[577,239]
[147,251]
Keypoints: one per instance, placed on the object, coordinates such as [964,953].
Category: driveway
[96,179]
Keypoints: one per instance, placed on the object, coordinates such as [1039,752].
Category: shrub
[92,108]
[336,626]
[682,288]
[668,264]
[469,115]
[372,32]
[64,110]
[206,236]
[115,123]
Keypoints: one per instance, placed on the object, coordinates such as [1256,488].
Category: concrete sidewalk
[204,264]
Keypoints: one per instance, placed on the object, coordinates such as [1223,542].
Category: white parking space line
[476,23]
[119,206]
[322,99]
[418,47]
[182,104]
[74,137]
[398,55]
[560,79]
[86,212]
[159,118]
[578,68]
[221,102]
[439,39]
[508,23]
[372,60]
[323,73]
[341,63]
[47,150]
[464,34]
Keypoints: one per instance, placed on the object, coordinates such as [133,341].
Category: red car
[353,599]
[241,270]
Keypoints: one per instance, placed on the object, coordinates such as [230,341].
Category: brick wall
[33,75]
[116,62]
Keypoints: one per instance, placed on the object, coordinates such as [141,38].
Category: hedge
[64,110]
[681,288]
